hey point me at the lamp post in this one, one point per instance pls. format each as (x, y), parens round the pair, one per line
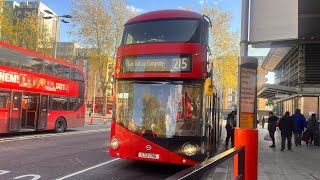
(57, 20)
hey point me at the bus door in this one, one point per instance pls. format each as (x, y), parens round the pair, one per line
(43, 112)
(15, 113)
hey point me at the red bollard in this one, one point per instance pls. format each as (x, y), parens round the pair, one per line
(105, 121)
(249, 139)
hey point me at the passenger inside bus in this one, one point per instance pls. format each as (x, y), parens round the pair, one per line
(185, 108)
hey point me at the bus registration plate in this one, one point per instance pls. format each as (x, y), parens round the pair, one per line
(148, 155)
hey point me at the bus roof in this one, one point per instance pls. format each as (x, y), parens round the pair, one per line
(165, 14)
(26, 51)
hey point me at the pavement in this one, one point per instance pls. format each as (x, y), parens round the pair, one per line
(301, 163)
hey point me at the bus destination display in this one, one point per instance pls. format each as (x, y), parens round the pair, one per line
(156, 63)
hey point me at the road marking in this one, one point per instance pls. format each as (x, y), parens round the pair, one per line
(35, 176)
(88, 169)
(51, 135)
(3, 172)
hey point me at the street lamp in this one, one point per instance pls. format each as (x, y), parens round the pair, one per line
(57, 20)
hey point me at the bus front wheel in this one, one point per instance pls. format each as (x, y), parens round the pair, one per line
(61, 125)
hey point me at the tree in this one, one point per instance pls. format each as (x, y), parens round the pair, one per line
(99, 29)
(6, 23)
(1, 10)
(224, 48)
(26, 31)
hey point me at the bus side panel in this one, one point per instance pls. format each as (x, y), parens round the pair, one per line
(4, 120)
(74, 119)
(131, 144)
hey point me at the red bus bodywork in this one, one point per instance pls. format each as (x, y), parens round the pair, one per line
(161, 149)
(40, 90)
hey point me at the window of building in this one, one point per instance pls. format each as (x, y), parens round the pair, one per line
(85, 62)
(231, 91)
(231, 98)
(76, 62)
(230, 105)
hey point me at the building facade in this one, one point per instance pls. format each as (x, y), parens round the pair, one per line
(40, 9)
(295, 61)
(73, 53)
(297, 78)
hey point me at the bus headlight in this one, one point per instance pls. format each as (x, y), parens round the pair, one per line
(189, 149)
(114, 143)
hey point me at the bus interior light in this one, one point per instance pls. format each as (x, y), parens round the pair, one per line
(189, 149)
(114, 143)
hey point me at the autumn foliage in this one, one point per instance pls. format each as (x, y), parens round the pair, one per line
(27, 31)
(98, 26)
(224, 46)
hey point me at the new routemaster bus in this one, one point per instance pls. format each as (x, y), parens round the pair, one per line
(98, 105)
(166, 109)
(39, 92)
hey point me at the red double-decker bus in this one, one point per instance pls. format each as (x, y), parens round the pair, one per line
(97, 105)
(166, 109)
(39, 92)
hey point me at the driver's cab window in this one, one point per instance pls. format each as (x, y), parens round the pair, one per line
(205, 33)
(129, 39)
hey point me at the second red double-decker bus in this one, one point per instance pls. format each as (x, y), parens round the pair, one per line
(97, 105)
(39, 92)
(166, 109)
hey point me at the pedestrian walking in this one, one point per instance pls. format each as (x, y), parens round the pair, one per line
(313, 128)
(299, 124)
(231, 124)
(286, 128)
(272, 125)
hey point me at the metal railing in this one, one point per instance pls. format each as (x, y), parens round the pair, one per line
(199, 171)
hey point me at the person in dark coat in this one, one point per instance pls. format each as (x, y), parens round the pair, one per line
(228, 129)
(312, 126)
(299, 124)
(272, 125)
(286, 127)
(231, 124)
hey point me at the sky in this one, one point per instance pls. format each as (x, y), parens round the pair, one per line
(63, 7)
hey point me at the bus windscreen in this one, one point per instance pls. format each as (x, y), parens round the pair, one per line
(180, 30)
(166, 108)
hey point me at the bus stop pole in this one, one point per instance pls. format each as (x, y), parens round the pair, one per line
(246, 133)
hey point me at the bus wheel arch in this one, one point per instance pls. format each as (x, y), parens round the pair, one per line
(60, 125)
